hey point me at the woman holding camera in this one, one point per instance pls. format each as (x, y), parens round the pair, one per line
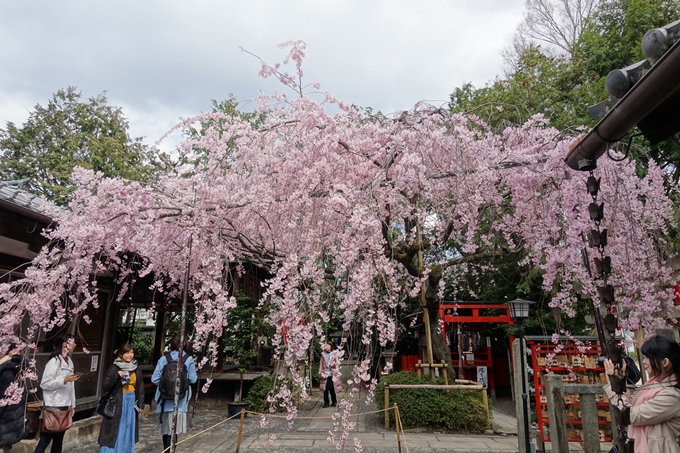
(655, 407)
(123, 382)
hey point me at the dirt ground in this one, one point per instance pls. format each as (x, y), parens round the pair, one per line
(505, 406)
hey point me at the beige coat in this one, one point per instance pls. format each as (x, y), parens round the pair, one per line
(661, 413)
(324, 373)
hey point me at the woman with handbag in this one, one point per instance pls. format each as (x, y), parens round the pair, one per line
(329, 374)
(59, 395)
(125, 387)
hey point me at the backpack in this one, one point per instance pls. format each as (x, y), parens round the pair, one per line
(166, 386)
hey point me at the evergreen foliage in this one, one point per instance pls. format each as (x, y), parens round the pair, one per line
(456, 410)
(71, 132)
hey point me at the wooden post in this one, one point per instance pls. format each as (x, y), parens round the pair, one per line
(588, 408)
(437, 387)
(387, 405)
(485, 400)
(640, 337)
(420, 370)
(397, 425)
(446, 377)
(240, 431)
(556, 413)
(423, 300)
(519, 407)
(591, 433)
(182, 343)
(428, 336)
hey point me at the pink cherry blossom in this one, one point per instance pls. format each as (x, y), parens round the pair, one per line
(327, 203)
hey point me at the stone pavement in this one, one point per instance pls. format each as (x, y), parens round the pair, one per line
(311, 432)
(503, 424)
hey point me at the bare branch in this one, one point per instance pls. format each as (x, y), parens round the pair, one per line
(558, 23)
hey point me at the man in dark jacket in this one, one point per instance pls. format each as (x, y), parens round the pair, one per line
(12, 391)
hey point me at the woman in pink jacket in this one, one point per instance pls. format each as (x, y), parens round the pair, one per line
(655, 406)
(330, 374)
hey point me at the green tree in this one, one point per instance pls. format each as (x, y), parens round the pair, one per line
(562, 87)
(555, 86)
(228, 107)
(71, 132)
(612, 39)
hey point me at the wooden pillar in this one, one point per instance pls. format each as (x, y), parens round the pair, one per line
(489, 368)
(423, 299)
(219, 367)
(640, 339)
(485, 400)
(556, 413)
(240, 431)
(387, 406)
(591, 429)
(446, 375)
(519, 408)
(159, 334)
(396, 426)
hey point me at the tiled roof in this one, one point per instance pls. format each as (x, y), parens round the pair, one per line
(12, 193)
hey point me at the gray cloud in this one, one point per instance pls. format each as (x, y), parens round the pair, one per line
(161, 59)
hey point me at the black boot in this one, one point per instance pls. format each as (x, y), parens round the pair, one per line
(166, 441)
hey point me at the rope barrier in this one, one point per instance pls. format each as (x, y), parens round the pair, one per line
(286, 417)
(201, 432)
(317, 418)
(403, 434)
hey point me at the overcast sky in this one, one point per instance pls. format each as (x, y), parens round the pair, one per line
(165, 59)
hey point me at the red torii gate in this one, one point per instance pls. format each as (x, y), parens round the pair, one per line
(470, 313)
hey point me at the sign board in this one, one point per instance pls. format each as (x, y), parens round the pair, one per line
(483, 376)
(94, 361)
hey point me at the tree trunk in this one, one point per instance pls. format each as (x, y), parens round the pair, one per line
(440, 350)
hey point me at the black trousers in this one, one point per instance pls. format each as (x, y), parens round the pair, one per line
(45, 438)
(330, 390)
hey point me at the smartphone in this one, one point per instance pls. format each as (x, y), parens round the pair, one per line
(78, 374)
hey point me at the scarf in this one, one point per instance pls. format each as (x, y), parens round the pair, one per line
(126, 366)
(641, 432)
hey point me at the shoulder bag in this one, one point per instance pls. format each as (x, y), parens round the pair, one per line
(57, 419)
(107, 405)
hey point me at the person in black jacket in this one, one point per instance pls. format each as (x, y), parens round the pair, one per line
(124, 380)
(12, 416)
